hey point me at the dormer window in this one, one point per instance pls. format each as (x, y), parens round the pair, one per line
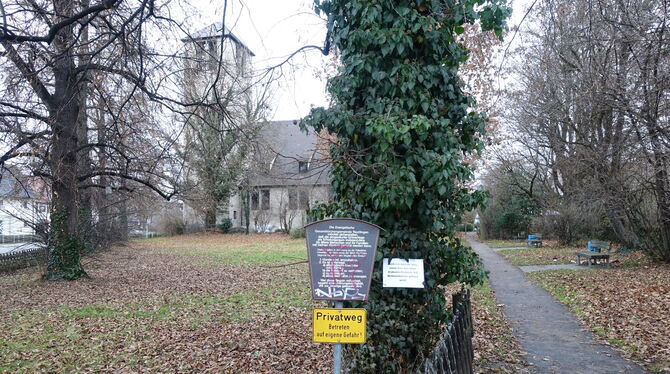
(302, 167)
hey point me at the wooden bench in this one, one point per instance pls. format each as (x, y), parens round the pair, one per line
(536, 242)
(593, 256)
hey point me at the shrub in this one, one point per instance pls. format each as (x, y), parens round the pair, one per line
(225, 225)
(510, 210)
(570, 223)
(237, 230)
(297, 233)
(173, 226)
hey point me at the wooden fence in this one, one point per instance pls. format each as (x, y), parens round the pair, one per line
(454, 354)
(21, 259)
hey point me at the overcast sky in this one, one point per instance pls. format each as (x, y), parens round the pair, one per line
(273, 30)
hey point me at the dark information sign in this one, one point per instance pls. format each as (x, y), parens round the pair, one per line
(341, 255)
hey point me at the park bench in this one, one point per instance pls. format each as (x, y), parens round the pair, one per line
(598, 250)
(535, 241)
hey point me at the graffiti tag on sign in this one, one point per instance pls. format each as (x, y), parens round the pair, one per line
(341, 255)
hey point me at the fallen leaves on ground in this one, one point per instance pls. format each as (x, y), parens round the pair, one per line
(556, 254)
(146, 309)
(514, 243)
(626, 307)
(505, 243)
(201, 303)
(539, 256)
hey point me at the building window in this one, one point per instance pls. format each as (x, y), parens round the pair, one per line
(234, 214)
(242, 62)
(304, 200)
(200, 48)
(292, 199)
(213, 57)
(302, 167)
(265, 199)
(254, 200)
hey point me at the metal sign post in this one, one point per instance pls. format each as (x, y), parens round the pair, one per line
(337, 350)
(341, 254)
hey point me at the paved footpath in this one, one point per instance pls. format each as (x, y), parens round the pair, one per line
(551, 336)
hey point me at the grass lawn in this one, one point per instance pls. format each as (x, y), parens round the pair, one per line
(539, 256)
(565, 255)
(505, 243)
(626, 307)
(194, 303)
(197, 303)
(233, 249)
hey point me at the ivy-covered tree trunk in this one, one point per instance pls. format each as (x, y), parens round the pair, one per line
(65, 106)
(65, 244)
(403, 127)
(245, 206)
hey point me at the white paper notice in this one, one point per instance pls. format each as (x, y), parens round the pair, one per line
(401, 273)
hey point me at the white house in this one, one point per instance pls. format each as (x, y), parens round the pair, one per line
(21, 207)
(289, 174)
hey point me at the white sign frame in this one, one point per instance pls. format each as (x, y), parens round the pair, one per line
(403, 273)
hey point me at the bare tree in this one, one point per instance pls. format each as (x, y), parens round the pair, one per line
(90, 90)
(219, 136)
(584, 112)
(288, 205)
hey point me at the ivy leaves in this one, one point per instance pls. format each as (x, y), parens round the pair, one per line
(403, 127)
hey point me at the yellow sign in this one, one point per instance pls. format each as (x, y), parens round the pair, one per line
(338, 326)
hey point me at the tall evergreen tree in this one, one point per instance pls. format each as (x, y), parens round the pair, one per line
(403, 126)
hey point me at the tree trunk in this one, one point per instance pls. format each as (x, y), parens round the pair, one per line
(660, 189)
(244, 194)
(123, 215)
(210, 217)
(105, 220)
(65, 244)
(626, 236)
(123, 219)
(87, 228)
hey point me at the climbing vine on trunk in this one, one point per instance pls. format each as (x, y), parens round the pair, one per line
(403, 126)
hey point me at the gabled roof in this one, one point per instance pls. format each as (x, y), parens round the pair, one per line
(10, 186)
(282, 146)
(213, 31)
